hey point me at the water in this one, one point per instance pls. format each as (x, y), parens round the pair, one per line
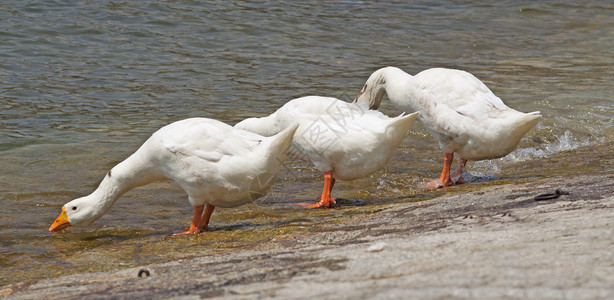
(84, 83)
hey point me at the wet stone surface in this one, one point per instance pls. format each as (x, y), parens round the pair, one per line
(482, 240)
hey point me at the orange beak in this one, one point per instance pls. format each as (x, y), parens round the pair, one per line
(61, 222)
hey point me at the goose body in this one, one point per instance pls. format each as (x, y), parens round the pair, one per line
(214, 163)
(458, 109)
(343, 140)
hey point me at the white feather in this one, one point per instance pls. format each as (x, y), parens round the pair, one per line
(212, 161)
(458, 109)
(346, 138)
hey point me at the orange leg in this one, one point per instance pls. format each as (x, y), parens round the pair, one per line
(195, 227)
(460, 171)
(325, 199)
(204, 220)
(444, 179)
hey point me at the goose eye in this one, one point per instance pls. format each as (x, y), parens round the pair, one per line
(74, 208)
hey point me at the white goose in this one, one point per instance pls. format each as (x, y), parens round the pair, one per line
(343, 140)
(215, 164)
(460, 111)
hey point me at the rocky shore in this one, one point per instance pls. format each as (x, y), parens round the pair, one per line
(474, 242)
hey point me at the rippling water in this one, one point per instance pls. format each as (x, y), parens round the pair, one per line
(84, 83)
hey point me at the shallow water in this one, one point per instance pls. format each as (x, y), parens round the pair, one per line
(83, 84)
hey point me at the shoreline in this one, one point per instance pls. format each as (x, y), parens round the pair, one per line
(472, 241)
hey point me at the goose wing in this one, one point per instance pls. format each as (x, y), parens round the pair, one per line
(207, 139)
(460, 91)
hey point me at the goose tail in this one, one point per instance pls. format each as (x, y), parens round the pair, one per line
(279, 144)
(524, 123)
(401, 124)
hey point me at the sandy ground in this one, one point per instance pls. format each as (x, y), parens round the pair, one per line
(495, 242)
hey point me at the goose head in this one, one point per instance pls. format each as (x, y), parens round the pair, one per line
(374, 90)
(81, 211)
